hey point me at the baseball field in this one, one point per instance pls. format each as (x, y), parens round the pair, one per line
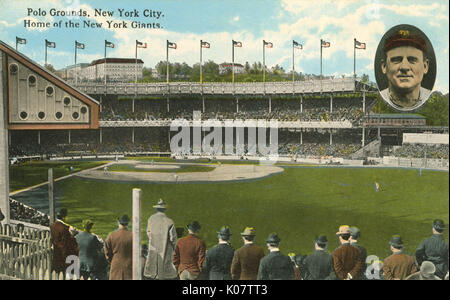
(298, 203)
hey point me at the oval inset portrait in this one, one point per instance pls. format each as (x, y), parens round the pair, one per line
(405, 68)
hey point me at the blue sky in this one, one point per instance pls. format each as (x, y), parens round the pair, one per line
(218, 22)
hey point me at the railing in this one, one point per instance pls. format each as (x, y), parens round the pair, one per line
(27, 254)
(224, 88)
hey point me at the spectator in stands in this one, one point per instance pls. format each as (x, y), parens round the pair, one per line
(218, 260)
(275, 266)
(435, 249)
(404, 64)
(354, 236)
(347, 260)
(246, 259)
(64, 243)
(162, 238)
(399, 265)
(119, 251)
(89, 245)
(427, 272)
(190, 253)
(319, 265)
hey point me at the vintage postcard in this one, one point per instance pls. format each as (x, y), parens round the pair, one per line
(224, 140)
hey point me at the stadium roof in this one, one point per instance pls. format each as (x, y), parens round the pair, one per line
(396, 116)
(116, 60)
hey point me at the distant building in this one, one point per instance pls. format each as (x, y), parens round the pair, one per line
(117, 69)
(225, 67)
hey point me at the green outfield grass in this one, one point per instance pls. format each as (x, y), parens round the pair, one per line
(182, 169)
(298, 204)
(36, 172)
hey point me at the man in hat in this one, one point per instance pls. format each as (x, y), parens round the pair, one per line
(347, 260)
(427, 270)
(119, 251)
(354, 236)
(190, 253)
(217, 265)
(275, 266)
(435, 249)
(405, 63)
(399, 265)
(246, 259)
(89, 245)
(64, 243)
(319, 264)
(162, 239)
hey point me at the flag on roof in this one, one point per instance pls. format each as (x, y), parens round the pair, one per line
(268, 44)
(50, 44)
(205, 45)
(140, 44)
(20, 40)
(109, 44)
(79, 45)
(359, 45)
(325, 44)
(237, 44)
(171, 45)
(297, 45)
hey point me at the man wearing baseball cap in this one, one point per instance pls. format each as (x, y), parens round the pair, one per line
(347, 260)
(246, 259)
(405, 63)
(399, 265)
(435, 249)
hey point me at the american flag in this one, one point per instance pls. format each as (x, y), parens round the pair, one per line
(140, 44)
(205, 45)
(359, 45)
(50, 44)
(325, 44)
(297, 45)
(268, 44)
(237, 44)
(20, 40)
(109, 44)
(171, 45)
(79, 45)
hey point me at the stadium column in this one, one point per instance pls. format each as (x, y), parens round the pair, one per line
(301, 104)
(4, 162)
(301, 136)
(39, 137)
(270, 104)
(132, 135)
(101, 136)
(331, 103)
(137, 206)
(237, 105)
(69, 136)
(331, 136)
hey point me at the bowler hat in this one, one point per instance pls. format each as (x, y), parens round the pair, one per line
(62, 213)
(160, 205)
(194, 226)
(404, 38)
(354, 232)
(124, 220)
(439, 225)
(321, 239)
(249, 231)
(396, 241)
(343, 229)
(224, 232)
(87, 224)
(273, 239)
(427, 269)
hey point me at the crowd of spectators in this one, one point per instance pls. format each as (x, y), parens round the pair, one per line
(23, 213)
(437, 151)
(318, 150)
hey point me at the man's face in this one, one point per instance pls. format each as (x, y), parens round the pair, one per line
(404, 68)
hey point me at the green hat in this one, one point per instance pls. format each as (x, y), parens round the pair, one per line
(194, 226)
(124, 220)
(396, 242)
(224, 233)
(249, 231)
(273, 239)
(354, 232)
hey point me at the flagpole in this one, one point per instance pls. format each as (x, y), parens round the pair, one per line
(354, 58)
(45, 53)
(135, 67)
(232, 62)
(105, 66)
(293, 67)
(167, 62)
(76, 73)
(321, 65)
(264, 65)
(17, 44)
(201, 80)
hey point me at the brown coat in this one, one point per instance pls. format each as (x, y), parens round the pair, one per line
(348, 259)
(119, 253)
(190, 254)
(246, 262)
(64, 244)
(398, 266)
